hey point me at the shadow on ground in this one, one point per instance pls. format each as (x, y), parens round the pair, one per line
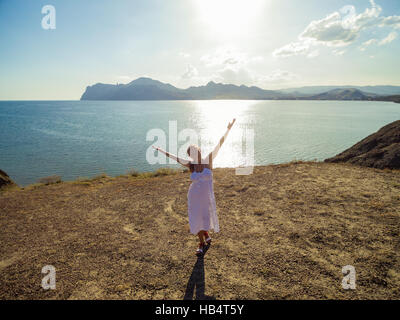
(197, 281)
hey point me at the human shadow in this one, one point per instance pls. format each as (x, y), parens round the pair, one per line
(197, 281)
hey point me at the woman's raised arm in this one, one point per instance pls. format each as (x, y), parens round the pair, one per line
(181, 161)
(214, 153)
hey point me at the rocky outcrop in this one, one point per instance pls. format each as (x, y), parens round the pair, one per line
(5, 180)
(379, 150)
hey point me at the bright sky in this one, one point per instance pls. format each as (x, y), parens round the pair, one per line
(268, 43)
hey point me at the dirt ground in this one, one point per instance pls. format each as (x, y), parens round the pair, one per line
(286, 232)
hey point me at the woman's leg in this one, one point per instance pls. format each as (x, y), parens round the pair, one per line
(199, 251)
(201, 236)
(207, 237)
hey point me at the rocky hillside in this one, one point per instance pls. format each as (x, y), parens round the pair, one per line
(342, 94)
(149, 89)
(5, 180)
(379, 150)
(376, 90)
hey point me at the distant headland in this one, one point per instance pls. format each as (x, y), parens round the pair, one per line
(149, 89)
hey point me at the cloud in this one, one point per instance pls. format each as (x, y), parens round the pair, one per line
(184, 54)
(278, 76)
(370, 42)
(190, 72)
(224, 56)
(338, 29)
(230, 65)
(329, 31)
(243, 75)
(369, 18)
(313, 54)
(391, 37)
(339, 52)
(233, 75)
(392, 21)
(293, 49)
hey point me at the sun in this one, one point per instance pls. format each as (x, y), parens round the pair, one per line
(228, 17)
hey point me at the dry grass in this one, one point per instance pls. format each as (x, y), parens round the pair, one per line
(151, 174)
(133, 173)
(50, 180)
(286, 232)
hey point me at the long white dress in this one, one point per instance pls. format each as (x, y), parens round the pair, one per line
(201, 202)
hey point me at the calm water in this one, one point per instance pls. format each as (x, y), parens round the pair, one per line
(84, 138)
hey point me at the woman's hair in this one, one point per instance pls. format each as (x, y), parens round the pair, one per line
(193, 152)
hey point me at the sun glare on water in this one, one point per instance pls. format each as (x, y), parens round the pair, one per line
(229, 16)
(212, 118)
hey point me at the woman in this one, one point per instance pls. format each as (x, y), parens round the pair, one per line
(201, 201)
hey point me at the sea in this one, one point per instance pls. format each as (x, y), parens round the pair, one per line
(75, 139)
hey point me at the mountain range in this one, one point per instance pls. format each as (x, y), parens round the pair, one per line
(149, 89)
(312, 90)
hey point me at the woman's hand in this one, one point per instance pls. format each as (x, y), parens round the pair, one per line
(157, 148)
(231, 124)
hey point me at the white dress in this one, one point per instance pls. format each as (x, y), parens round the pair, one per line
(201, 202)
